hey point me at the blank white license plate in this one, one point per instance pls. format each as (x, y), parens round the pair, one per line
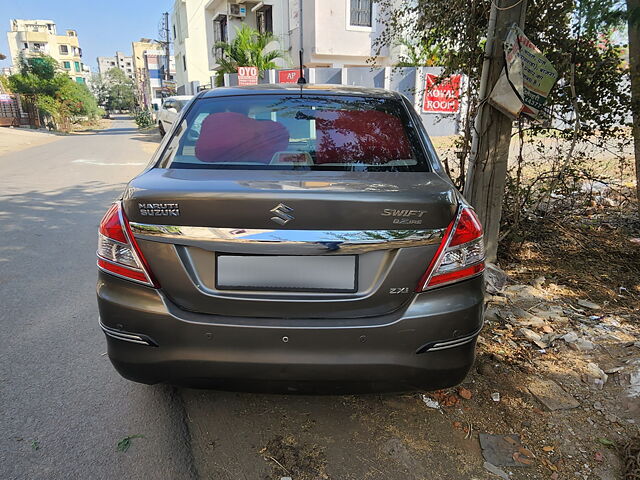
(287, 273)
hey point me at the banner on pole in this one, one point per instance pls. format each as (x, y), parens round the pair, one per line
(524, 85)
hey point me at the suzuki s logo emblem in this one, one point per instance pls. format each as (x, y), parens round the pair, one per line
(282, 214)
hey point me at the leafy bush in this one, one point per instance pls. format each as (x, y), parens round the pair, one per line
(144, 119)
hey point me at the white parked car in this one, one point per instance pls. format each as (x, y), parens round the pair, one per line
(170, 110)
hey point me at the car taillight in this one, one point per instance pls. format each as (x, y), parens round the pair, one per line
(118, 253)
(460, 255)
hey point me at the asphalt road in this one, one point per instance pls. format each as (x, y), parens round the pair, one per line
(63, 409)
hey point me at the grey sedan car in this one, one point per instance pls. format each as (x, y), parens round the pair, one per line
(293, 238)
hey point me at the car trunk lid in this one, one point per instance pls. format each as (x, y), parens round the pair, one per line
(195, 226)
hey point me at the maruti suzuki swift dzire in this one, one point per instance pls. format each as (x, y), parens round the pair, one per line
(293, 238)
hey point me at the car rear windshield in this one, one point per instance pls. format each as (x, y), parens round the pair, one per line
(301, 132)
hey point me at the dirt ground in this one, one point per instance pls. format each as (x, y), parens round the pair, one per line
(16, 139)
(585, 269)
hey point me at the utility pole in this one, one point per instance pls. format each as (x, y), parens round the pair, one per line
(167, 47)
(487, 171)
(633, 11)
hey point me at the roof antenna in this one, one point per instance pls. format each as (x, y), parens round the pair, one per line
(301, 79)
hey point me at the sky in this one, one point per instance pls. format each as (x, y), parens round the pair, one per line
(103, 26)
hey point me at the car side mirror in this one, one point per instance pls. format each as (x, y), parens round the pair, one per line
(172, 110)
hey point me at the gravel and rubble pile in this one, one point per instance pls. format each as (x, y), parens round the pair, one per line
(562, 372)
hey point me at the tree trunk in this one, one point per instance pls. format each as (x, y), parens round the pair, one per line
(633, 10)
(487, 173)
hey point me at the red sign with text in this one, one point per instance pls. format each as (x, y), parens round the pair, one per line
(247, 76)
(443, 96)
(288, 76)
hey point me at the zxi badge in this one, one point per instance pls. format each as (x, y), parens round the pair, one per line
(281, 214)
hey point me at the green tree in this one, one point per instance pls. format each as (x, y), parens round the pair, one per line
(590, 101)
(100, 89)
(53, 91)
(574, 34)
(36, 76)
(121, 91)
(247, 49)
(419, 54)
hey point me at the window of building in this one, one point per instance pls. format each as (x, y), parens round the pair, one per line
(113, 64)
(76, 65)
(26, 45)
(184, 63)
(361, 13)
(264, 19)
(220, 33)
(66, 65)
(174, 32)
(64, 50)
(80, 79)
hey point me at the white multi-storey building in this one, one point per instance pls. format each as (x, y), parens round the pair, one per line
(105, 64)
(332, 33)
(120, 60)
(37, 37)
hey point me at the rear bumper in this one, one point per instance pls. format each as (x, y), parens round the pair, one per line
(428, 344)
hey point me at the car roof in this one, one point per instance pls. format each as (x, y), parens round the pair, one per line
(284, 88)
(179, 97)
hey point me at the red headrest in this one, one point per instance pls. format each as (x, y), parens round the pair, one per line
(234, 137)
